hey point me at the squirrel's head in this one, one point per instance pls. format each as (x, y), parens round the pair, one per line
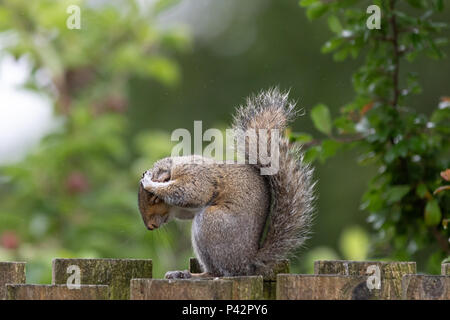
(153, 214)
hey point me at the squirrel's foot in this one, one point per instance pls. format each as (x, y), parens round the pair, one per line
(186, 275)
(178, 275)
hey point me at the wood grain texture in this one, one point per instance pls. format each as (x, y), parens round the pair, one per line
(425, 287)
(269, 281)
(56, 292)
(11, 272)
(161, 289)
(116, 273)
(391, 273)
(359, 268)
(323, 287)
(247, 288)
(282, 266)
(270, 290)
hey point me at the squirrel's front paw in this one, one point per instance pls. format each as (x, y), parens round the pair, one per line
(178, 275)
(146, 179)
(154, 200)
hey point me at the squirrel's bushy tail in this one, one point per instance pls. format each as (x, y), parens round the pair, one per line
(292, 186)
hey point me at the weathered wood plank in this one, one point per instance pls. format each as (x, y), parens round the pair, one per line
(11, 272)
(425, 287)
(391, 269)
(247, 288)
(323, 287)
(282, 266)
(181, 289)
(445, 269)
(270, 290)
(116, 273)
(269, 280)
(56, 292)
(390, 273)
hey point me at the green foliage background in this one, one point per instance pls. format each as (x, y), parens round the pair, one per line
(121, 84)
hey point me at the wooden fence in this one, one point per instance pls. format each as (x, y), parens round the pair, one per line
(132, 279)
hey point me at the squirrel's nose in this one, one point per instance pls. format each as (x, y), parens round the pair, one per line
(152, 226)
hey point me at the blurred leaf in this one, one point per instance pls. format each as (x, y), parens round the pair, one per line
(332, 45)
(311, 154)
(396, 193)
(329, 148)
(301, 137)
(321, 118)
(307, 3)
(433, 213)
(334, 24)
(345, 125)
(163, 69)
(416, 3)
(316, 10)
(421, 190)
(341, 55)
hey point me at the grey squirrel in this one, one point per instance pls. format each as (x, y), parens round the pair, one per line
(230, 204)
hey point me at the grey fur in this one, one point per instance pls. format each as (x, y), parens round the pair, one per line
(232, 203)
